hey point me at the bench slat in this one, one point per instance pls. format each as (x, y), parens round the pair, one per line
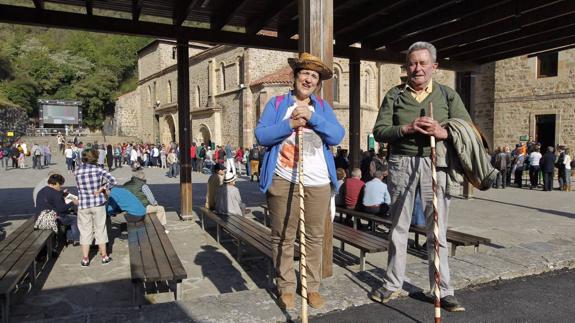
(179, 272)
(150, 269)
(37, 241)
(11, 259)
(18, 237)
(358, 239)
(159, 259)
(136, 263)
(25, 226)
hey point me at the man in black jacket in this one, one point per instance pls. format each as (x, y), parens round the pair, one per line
(547, 164)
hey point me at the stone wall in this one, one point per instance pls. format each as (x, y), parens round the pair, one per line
(127, 114)
(520, 97)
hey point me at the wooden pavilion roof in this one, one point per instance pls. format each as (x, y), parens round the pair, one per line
(465, 32)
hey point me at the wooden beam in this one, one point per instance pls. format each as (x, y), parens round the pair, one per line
(316, 37)
(182, 9)
(136, 9)
(404, 15)
(416, 31)
(290, 28)
(354, 112)
(69, 20)
(522, 34)
(184, 128)
(363, 15)
(39, 4)
(485, 14)
(89, 8)
(260, 20)
(230, 7)
(528, 49)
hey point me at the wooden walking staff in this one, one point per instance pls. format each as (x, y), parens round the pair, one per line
(302, 259)
(436, 290)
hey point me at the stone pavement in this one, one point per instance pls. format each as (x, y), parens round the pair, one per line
(531, 232)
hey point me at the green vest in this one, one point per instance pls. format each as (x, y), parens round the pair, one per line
(134, 185)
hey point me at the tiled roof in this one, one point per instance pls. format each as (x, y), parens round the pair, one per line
(281, 76)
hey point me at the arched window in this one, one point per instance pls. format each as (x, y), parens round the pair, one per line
(223, 76)
(197, 96)
(149, 95)
(336, 76)
(170, 97)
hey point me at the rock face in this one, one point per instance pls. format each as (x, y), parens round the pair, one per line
(230, 86)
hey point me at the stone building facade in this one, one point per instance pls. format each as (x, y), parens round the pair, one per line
(230, 86)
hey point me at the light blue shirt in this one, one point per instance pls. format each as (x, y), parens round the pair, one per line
(376, 193)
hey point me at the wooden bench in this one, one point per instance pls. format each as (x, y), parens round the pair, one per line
(365, 242)
(456, 238)
(243, 230)
(18, 254)
(153, 259)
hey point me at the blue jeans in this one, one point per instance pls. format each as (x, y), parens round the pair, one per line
(74, 233)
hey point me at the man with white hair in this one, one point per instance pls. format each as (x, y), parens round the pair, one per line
(137, 185)
(228, 198)
(404, 122)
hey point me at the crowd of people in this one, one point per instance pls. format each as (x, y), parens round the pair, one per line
(541, 165)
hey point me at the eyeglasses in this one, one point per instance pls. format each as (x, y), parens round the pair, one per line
(313, 75)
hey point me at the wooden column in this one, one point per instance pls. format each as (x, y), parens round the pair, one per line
(316, 38)
(354, 112)
(465, 86)
(184, 126)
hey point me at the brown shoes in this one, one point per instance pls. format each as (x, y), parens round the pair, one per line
(287, 301)
(315, 300)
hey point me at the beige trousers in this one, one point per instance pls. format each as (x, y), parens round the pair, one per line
(160, 212)
(283, 203)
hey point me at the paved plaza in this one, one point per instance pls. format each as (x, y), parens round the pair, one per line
(531, 232)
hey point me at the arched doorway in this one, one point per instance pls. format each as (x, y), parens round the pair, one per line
(204, 135)
(169, 131)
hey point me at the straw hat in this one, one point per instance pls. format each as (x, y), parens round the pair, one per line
(309, 62)
(229, 177)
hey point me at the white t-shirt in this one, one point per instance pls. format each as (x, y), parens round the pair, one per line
(68, 152)
(314, 166)
(567, 161)
(534, 158)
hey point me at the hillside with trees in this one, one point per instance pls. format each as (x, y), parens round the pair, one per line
(44, 63)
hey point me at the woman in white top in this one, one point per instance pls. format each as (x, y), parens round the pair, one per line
(69, 154)
(567, 175)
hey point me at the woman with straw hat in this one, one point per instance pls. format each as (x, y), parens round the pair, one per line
(276, 130)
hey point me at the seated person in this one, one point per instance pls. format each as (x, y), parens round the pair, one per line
(340, 173)
(137, 185)
(43, 183)
(376, 198)
(122, 200)
(51, 197)
(228, 199)
(352, 190)
(216, 180)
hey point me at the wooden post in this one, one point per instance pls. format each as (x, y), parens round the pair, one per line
(354, 112)
(316, 38)
(465, 86)
(184, 125)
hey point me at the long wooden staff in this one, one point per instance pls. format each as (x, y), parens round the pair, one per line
(302, 260)
(436, 290)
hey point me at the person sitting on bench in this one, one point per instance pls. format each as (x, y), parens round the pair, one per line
(228, 198)
(214, 182)
(122, 200)
(51, 197)
(376, 198)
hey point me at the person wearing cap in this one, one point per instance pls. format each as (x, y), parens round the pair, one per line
(277, 131)
(228, 198)
(138, 186)
(214, 182)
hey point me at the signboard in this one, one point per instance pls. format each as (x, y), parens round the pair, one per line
(524, 138)
(10, 134)
(59, 112)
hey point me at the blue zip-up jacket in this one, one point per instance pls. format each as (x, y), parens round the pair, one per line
(272, 130)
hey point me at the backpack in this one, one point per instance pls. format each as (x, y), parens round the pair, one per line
(37, 152)
(254, 154)
(202, 152)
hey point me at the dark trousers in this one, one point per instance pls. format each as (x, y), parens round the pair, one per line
(534, 175)
(501, 179)
(548, 181)
(519, 176)
(194, 164)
